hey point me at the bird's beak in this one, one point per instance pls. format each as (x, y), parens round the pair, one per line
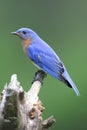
(15, 33)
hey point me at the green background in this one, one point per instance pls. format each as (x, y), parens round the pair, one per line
(63, 24)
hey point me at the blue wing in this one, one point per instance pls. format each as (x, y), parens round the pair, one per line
(46, 61)
(45, 57)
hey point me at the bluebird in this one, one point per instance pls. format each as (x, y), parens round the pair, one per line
(44, 57)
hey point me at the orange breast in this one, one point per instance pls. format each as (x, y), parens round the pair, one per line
(26, 43)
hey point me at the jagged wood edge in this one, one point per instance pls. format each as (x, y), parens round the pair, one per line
(20, 110)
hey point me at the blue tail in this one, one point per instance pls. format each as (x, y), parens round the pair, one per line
(68, 81)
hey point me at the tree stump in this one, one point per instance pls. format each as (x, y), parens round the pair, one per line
(20, 110)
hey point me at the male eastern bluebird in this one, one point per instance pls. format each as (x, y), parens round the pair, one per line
(44, 57)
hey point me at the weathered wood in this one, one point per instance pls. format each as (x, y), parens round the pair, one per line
(20, 110)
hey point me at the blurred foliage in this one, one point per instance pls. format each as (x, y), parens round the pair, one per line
(63, 24)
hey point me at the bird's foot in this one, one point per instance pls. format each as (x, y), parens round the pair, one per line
(39, 76)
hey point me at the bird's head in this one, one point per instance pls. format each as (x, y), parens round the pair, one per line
(27, 36)
(25, 33)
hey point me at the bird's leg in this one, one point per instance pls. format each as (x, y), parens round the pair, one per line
(39, 76)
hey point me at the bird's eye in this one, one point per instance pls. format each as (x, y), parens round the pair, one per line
(24, 32)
